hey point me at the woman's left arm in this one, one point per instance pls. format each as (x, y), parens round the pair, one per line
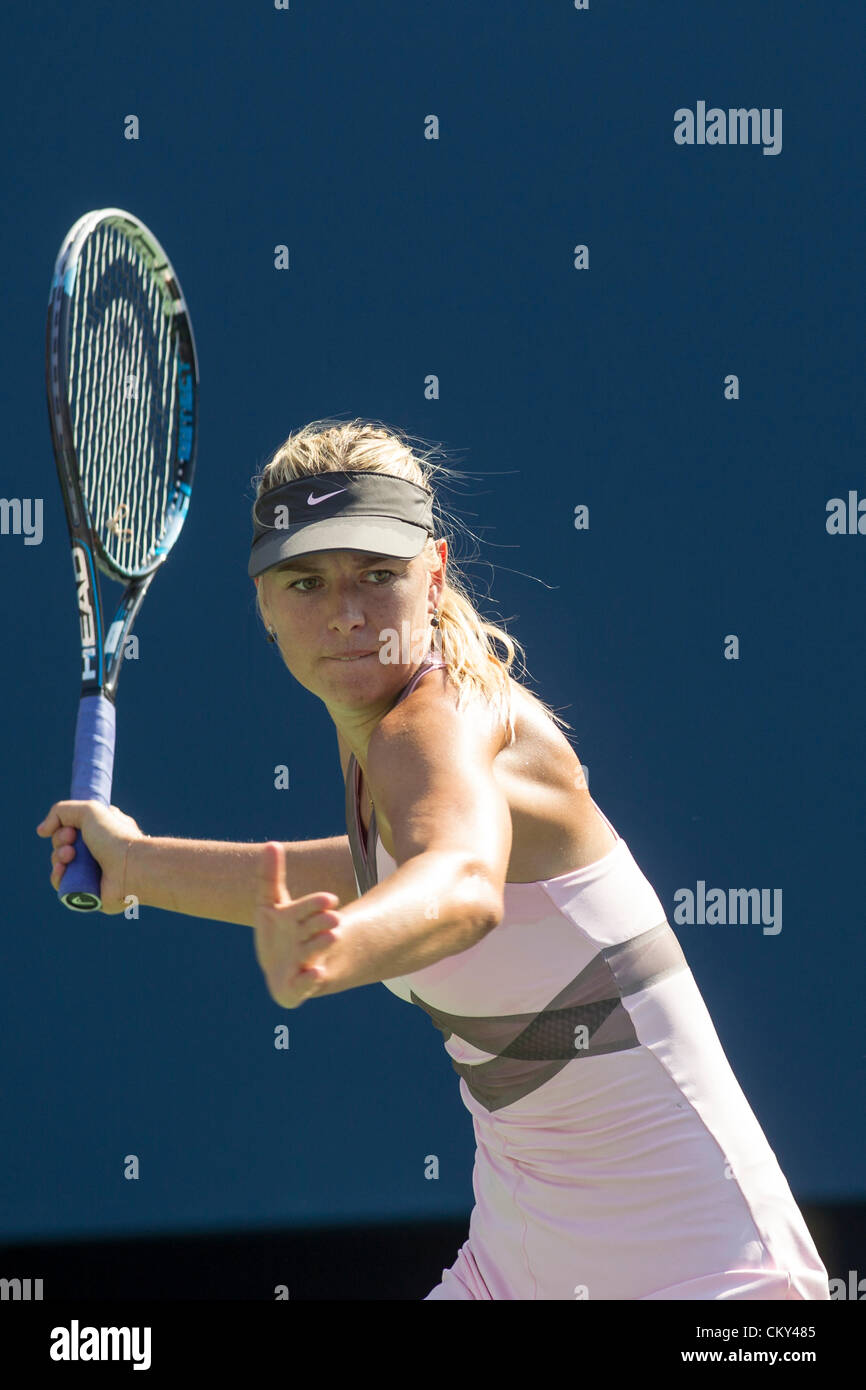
(430, 771)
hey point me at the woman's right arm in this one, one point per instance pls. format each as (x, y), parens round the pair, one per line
(217, 879)
(199, 878)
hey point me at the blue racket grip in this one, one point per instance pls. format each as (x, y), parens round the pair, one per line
(92, 769)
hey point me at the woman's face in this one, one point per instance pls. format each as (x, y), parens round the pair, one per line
(333, 604)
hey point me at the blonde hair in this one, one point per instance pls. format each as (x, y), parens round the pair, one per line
(464, 639)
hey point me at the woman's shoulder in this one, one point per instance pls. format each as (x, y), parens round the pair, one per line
(433, 701)
(517, 726)
(434, 693)
(555, 827)
(523, 741)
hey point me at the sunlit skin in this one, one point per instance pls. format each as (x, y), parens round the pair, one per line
(331, 602)
(342, 601)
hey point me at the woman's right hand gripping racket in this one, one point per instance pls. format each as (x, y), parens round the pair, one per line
(122, 380)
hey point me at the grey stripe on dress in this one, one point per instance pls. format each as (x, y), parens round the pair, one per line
(585, 1019)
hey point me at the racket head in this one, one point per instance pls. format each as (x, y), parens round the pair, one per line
(122, 386)
(122, 389)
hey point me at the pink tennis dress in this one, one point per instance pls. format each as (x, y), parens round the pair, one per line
(617, 1156)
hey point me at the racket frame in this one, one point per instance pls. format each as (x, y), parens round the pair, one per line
(101, 649)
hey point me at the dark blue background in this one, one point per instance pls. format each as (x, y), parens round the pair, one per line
(453, 257)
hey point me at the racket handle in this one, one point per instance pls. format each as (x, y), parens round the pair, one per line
(92, 769)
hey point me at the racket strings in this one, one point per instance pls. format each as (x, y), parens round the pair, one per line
(123, 363)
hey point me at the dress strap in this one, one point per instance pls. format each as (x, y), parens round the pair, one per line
(428, 664)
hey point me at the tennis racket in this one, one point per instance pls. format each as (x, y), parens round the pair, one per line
(122, 382)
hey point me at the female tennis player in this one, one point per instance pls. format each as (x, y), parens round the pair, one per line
(617, 1156)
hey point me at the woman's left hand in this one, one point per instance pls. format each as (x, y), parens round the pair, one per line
(292, 935)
